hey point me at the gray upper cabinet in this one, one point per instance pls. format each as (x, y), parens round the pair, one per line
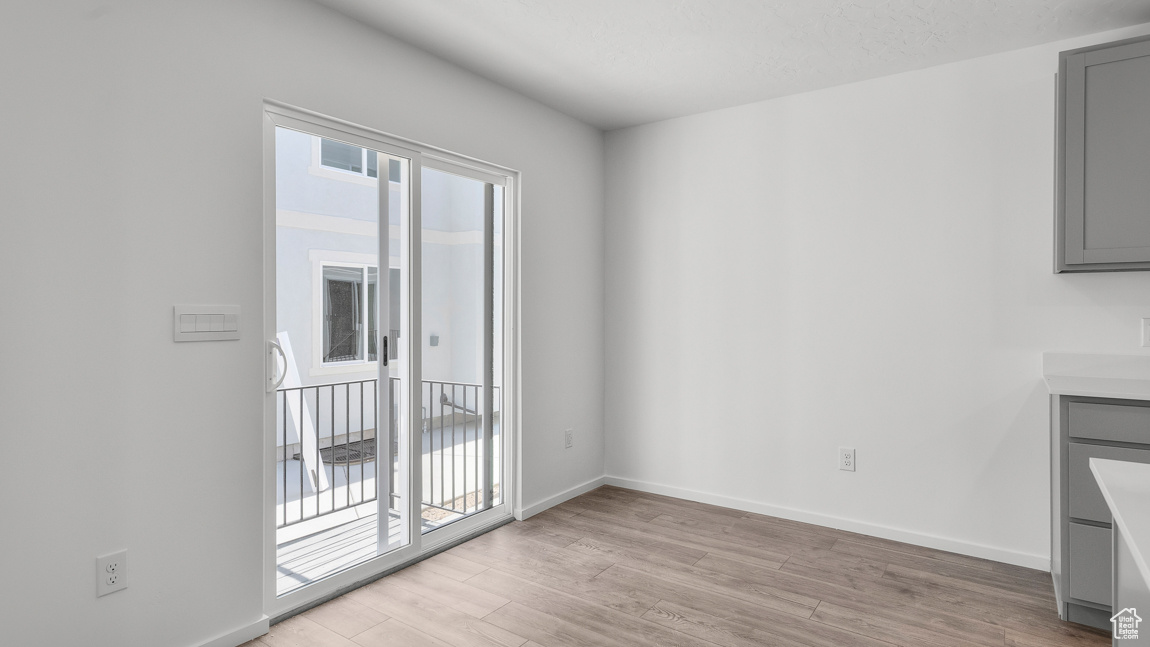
(1103, 188)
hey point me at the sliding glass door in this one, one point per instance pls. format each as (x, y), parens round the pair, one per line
(385, 313)
(462, 322)
(342, 463)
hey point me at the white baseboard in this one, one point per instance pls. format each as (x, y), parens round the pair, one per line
(239, 636)
(1040, 562)
(536, 508)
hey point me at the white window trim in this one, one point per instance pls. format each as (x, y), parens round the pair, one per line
(318, 169)
(319, 259)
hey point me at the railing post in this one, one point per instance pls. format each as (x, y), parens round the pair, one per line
(284, 459)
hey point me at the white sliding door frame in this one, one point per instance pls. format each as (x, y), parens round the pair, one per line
(419, 546)
(509, 505)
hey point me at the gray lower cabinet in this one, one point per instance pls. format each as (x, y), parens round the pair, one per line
(1085, 428)
(1090, 563)
(1086, 500)
(1103, 198)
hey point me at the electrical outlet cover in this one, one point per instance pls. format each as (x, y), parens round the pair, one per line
(847, 459)
(111, 573)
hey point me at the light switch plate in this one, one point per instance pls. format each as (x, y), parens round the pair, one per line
(205, 323)
(1146, 331)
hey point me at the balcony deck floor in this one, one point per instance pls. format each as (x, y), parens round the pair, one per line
(450, 463)
(302, 561)
(307, 559)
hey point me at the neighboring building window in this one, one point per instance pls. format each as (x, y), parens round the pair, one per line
(348, 158)
(349, 313)
(353, 159)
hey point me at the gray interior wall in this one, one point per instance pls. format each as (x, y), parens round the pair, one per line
(132, 182)
(867, 266)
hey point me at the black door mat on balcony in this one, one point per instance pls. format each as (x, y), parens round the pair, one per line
(353, 452)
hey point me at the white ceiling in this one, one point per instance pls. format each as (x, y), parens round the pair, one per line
(614, 63)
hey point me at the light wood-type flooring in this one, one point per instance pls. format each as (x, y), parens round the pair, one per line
(618, 567)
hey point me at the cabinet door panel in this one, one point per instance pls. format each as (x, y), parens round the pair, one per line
(1090, 550)
(1086, 501)
(1116, 198)
(1122, 423)
(1106, 148)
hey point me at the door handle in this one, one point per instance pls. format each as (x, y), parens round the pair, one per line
(273, 382)
(385, 350)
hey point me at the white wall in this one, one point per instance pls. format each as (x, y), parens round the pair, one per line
(132, 181)
(869, 266)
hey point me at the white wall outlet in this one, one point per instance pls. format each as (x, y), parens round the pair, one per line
(568, 439)
(111, 573)
(1146, 331)
(847, 459)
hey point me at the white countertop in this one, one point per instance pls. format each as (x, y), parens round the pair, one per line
(1126, 487)
(1097, 375)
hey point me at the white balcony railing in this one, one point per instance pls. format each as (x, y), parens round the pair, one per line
(328, 450)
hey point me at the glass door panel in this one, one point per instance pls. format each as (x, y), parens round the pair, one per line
(461, 453)
(341, 460)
